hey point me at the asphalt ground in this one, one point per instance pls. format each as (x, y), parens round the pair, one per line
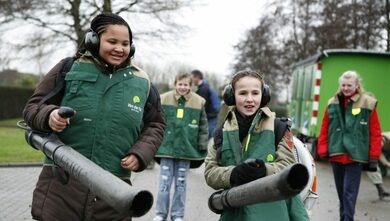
(18, 183)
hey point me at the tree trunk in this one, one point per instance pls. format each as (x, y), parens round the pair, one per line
(107, 6)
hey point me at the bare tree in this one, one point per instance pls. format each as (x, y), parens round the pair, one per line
(67, 21)
(303, 18)
(258, 53)
(4, 59)
(351, 24)
(297, 29)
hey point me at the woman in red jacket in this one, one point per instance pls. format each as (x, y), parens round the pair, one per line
(351, 137)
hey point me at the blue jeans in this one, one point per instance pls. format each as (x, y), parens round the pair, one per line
(170, 168)
(347, 179)
(212, 124)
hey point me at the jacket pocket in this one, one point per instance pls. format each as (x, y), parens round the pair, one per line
(80, 90)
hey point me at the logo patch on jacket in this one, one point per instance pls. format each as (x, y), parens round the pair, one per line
(193, 124)
(134, 107)
(136, 99)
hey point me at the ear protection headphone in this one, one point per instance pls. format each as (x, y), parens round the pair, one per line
(92, 42)
(230, 100)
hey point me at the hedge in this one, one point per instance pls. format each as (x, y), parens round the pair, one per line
(12, 101)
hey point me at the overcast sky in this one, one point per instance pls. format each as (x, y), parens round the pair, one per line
(215, 28)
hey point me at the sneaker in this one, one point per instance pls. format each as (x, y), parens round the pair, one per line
(158, 218)
(178, 219)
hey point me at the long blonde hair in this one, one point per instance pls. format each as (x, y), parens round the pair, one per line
(352, 75)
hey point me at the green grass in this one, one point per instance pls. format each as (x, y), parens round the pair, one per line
(13, 146)
(9, 122)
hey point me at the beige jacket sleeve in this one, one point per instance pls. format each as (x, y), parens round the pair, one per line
(217, 177)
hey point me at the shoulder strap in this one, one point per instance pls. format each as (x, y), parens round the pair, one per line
(60, 82)
(218, 141)
(281, 125)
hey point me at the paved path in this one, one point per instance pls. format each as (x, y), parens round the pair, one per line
(368, 207)
(17, 184)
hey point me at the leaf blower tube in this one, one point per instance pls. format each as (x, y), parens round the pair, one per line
(284, 185)
(124, 198)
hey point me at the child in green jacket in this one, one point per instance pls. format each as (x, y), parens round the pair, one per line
(184, 145)
(244, 150)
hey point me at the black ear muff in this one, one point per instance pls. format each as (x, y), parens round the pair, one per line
(132, 51)
(92, 41)
(228, 95)
(229, 99)
(266, 95)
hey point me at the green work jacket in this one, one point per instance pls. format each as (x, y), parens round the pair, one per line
(109, 112)
(259, 144)
(350, 136)
(186, 132)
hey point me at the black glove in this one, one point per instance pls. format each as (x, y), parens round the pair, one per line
(371, 166)
(251, 169)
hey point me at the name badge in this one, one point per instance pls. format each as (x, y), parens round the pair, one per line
(180, 113)
(355, 111)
